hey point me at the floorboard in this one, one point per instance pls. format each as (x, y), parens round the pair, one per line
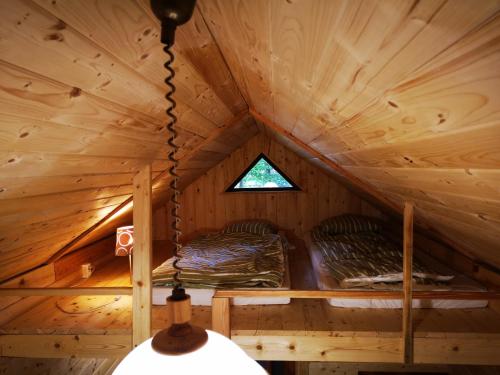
(112, 314)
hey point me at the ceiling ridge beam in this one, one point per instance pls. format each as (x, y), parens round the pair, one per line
(236, 83)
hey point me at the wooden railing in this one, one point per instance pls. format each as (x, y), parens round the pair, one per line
(76, 291)
(221, 308)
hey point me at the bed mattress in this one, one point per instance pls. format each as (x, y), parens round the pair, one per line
(228, 261)
(326, 281)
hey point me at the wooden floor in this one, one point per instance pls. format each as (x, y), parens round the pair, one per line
(112, 315)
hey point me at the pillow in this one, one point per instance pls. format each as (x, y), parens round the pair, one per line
(349, 223)
(251, 226)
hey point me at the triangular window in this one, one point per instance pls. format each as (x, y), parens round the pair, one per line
(262, 175)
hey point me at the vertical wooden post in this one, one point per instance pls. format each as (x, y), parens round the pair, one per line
(408, 283)
(142, 292)
(221, 316)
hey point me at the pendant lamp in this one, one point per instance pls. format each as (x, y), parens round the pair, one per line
(182, 347)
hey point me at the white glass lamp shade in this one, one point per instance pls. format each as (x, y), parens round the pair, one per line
(218, 356)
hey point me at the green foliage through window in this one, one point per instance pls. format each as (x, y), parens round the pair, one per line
(262, 175)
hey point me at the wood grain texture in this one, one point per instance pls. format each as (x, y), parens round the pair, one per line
(77, 366)
(76, 291)
(382, 86)
(221, 316)
(142, 257)
(82, 109)
(401, 94)
(303, 329)
(206, 206)
(64, 346)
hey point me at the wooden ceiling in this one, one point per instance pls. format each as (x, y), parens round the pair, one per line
(401, 94)
(82, 108)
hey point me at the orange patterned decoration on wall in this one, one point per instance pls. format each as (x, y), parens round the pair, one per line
(124, 241)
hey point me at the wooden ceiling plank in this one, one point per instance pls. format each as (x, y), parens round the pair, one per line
(29, 237)
(40, 98)
(469, 148)
(427, 31)
(76, 60)
(482, 246)
(44, 202)
(477, 206)
(129, 32)
(452, 93)
(22, 187)
(388, 205)
(476, 183)
(28, 135)
(23, 164)
(53, 213)
(246, 46)
(41, 229)
(197, 45)
(482, 222)
(43, 99)
(295, 35)
(49, 100)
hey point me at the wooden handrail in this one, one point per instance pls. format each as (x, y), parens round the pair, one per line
(95, 291)
(358, 294)
(303, 294)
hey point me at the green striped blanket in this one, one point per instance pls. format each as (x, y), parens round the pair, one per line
(227, 260)
(361, 259)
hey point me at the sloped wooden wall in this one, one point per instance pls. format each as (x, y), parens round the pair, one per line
(206, 205)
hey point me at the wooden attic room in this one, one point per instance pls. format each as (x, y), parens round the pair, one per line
(330, 201)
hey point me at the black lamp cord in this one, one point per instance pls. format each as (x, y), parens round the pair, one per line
(172, 157)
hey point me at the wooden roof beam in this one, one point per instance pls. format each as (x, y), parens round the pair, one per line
(390, 207)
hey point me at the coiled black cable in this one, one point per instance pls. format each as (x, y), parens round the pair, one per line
(174, 199)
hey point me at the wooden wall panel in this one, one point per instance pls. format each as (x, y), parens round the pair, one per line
(205, 205)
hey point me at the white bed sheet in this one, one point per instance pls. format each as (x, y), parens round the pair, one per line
(203, 297)
(325, 281)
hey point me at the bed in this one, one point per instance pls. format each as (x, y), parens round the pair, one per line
(350, 252)
(249, 255)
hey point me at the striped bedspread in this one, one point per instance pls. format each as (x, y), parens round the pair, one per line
(362, 259)
(228, 260)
